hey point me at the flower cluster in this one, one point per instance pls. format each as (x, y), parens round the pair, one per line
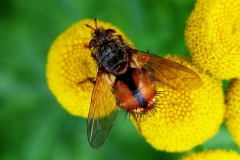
(183, 119)
(233, 110)
(70, 66)
(213, 37)
(213, 155)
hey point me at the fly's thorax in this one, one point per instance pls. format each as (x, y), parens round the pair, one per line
(111, 55)
(109, 50)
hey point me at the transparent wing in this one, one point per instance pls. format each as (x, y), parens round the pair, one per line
(167, 72)
(102, 112)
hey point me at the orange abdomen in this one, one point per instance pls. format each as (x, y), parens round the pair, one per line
(134, 91)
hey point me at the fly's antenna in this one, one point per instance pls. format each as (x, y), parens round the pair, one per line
(95, 23)
(90, 27)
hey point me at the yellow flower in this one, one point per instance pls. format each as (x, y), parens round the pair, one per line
(213, 155)
(213, 37)
(182, 120)
(70, 65)
(185, 119)
(233, 110)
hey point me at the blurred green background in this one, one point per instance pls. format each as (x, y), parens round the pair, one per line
(33, 126)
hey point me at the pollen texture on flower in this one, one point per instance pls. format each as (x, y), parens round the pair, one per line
(213, 37)
(213, 155)
(70, 67)
(233, 110)
(184, 119)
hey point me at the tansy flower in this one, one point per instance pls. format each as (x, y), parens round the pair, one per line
(183, 118)
(233, 110)
(70, 66)
(213, 37)
(213, 155)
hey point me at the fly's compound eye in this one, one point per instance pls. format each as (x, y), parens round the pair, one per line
(109, 32)
(92, 43)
